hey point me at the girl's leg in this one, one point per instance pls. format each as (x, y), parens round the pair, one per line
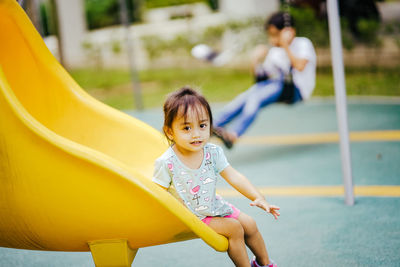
(233, 109)
(254, 239)
(233, 230)
(264, 94)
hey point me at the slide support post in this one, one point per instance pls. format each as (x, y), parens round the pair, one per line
(112, 253)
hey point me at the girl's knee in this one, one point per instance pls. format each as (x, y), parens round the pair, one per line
(228, 227)
(249, 225)
(236, 229)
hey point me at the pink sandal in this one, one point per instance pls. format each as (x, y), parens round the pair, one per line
(255, 264)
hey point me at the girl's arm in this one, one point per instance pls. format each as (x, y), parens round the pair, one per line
(286, 36)
(243, 185)
(258, 57)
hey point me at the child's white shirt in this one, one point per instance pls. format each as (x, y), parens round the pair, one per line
(277, 63)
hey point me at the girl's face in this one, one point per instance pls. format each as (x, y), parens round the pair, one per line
(279, 37)
(273, 35)
(190, 134)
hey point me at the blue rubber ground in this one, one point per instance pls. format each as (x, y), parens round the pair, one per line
(312, 231)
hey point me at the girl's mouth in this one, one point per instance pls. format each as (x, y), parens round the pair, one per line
(196, 143)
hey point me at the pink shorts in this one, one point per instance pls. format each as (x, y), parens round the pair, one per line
(235, 214)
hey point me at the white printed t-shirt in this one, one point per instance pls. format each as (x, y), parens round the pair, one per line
(277, 62)
(196, 187)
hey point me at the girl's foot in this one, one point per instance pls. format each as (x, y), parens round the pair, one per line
(255, 264)
(226, 137)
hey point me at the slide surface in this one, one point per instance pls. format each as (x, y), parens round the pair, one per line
(73, 170)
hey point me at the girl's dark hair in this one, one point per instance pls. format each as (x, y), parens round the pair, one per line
(280, 20)
(180, 101)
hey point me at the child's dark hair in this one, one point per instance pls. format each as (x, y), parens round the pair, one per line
(280, 20)
(179, 102)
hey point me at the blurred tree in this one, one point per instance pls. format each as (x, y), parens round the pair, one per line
(102, 13)
(309, 25)
(47, 17)
(353, 11)
(165, 3)
(214, 4)
(356, 11)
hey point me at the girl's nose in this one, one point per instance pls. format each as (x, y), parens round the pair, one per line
(196, 132)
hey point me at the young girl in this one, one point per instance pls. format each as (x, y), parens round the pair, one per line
(192, 166)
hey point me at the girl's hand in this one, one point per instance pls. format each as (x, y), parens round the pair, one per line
(263, 204)
(259, 54)
(286, 36)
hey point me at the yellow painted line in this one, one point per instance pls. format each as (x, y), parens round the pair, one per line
(321, 138)
(321, 191)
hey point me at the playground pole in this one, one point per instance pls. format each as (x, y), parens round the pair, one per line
(340, 95)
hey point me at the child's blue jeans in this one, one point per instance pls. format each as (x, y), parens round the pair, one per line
(246, 105)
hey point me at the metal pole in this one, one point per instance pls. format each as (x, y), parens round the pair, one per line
(137, 92)
(340, 95)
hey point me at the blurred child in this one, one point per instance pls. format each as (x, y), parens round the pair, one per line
(192, 166)
(284, 73)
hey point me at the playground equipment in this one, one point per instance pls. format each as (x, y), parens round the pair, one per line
(75, 173)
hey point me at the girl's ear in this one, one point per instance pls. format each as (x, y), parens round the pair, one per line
(168, 133)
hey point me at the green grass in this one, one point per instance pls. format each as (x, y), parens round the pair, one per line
(113, 87)
(361, 81)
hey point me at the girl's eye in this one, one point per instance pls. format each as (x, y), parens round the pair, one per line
(203, 125)
(186, 128)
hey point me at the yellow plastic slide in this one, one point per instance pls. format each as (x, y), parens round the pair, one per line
(75, 174)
